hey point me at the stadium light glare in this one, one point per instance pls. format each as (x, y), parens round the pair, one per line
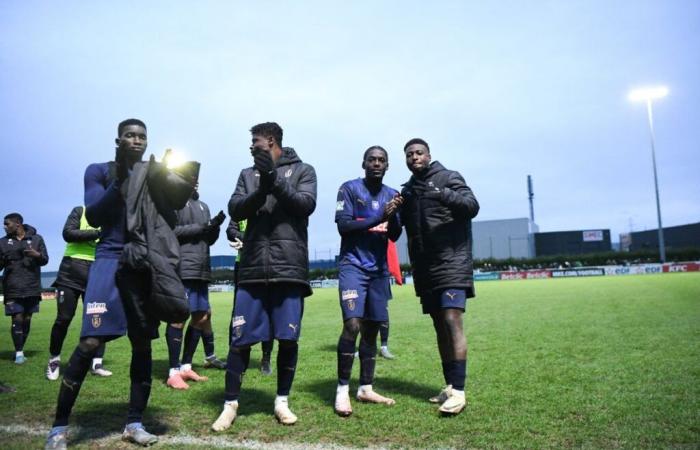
(647, 93)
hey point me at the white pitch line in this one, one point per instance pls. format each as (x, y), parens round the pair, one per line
(185, 439)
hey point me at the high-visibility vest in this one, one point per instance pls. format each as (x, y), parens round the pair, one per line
(82, 250)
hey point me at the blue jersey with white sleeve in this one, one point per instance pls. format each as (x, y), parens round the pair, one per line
(364, 235)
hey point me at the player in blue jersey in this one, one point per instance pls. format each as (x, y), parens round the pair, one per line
(106, 315)
(366, 218)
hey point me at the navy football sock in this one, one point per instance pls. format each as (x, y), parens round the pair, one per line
(100, 353)
(26, 326)
(17, 330)
(286, 366)
(368, 359)
(267, 346)
(77, 368)
(173, 337)
(140, 374)
(446, 372)
(236, 365)
(191, 340)
(384, 333)
(208, 340)
(458, 374)
(346, 356)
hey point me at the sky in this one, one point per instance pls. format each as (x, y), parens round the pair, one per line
(499, 90)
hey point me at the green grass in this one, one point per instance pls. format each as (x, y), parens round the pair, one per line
(609, 362)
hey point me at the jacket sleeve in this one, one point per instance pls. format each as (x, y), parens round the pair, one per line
(244, 204)
(233, 231)
(72, 231)
(41, 248)
(299, 200)
(100, 201)
(459, 197)
(394, 227)
(186, 231)
(212, 232)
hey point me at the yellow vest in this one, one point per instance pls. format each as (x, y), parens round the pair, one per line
(82, 250)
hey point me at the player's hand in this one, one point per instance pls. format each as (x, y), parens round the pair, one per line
(236, 244)
(31, 253)
(263, 161)
(122, 165)
(218, 219)
(392, 207)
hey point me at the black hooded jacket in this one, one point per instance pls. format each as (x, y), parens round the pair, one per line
(276, 237)
(195, 237)
(22, 274)
(437, 212)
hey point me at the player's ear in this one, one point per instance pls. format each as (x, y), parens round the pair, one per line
(363, 164)
(116, 141)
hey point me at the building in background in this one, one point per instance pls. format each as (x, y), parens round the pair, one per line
(682, 236)
(503, 239)
(572, 242)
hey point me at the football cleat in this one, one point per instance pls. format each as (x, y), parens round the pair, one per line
(369, 396)
(284, 415)
(100, 371)
(227, 416)
(442, 396)
(139, 435)
(191, 375)
(454, 404)
(385, 353)
(175, 381)
(20, 359)
(214, 363)
(57, 440)
(52, 370)
(342, 404)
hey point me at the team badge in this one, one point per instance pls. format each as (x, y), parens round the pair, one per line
(288, 173)
(375, 204)
(351, 304)
(339, 205)
(96, 321)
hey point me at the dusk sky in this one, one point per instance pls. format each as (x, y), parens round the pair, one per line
(499, 89)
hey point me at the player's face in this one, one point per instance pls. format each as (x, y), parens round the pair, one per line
(11, 227)
(375, 165)
(133, 141)
(417, 158)
(260, 143)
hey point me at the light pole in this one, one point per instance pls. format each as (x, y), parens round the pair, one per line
(647, 95)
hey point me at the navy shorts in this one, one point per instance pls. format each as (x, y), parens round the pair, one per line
(197, 292)
(447, 298)
(103, 312)
(265, 311)
(24, 305)
(363, 295)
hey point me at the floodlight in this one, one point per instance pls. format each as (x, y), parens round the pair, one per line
(646, 94)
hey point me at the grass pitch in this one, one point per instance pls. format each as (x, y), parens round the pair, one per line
(609, 362)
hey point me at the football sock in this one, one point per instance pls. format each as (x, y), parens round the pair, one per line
(58, 335)
(458, 374)
(267, 346)
(76, 369)
(173, 337)
(384, 333)
(100, 353)
(26, 326)
(192, 336)
(140, 374)
(368, 359)
(346, 356)
(17, 331)
(286, 366)
(236, 365)
(446, 372)
(208, 341)
(96, 361)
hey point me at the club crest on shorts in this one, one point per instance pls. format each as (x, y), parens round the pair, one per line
(350, 304)
(96, 321)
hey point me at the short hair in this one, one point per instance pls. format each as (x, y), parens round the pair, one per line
(416, 141)
(375, 147)
(125, 123)
(268, 129)
(15, 217)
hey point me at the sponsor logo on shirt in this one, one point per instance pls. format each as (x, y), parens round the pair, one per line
(96, 308)
(349, 294)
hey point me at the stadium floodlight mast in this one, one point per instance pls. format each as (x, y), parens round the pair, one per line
(648, 95)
